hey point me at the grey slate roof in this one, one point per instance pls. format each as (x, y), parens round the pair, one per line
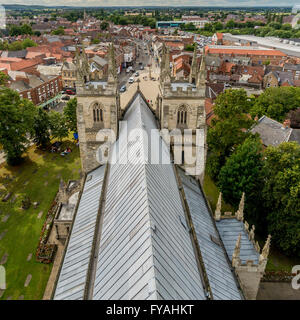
(271, 132)
(229, 230)
(145, 249)
(73, 274)
(220, 276)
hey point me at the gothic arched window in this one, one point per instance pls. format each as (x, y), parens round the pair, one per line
(97, 113)
(182, 115)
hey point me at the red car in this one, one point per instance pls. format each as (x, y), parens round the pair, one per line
(70, 92)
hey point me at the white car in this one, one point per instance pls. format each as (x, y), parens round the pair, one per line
(131, 80)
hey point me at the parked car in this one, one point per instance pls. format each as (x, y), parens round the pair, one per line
(123, 89)
(71, 92)
(136, 74)
(141, 67)
(131, 80)
(65, 97)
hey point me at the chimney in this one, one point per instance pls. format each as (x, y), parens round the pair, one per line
(287, 123)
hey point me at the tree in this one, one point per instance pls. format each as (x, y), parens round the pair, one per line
(230, 24)
(104, 25)
(70, 114)
(58, 125)
(28, 43)
(41, 128)
(228, 128)
(276, 102)
(3, 78)
(281, 195)
(242, 173)
(59, 31)
(16, 123)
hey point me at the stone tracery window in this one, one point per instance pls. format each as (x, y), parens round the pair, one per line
(97, 113)
(182, 115)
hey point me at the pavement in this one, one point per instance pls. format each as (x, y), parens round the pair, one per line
(277, 291)
(148, 87)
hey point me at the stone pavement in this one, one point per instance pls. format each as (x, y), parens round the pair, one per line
(54, 272)
(148, 87)
(277, 291)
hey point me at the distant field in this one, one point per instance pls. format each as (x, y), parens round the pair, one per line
(38, 177)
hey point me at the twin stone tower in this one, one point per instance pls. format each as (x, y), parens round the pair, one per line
(179, 110)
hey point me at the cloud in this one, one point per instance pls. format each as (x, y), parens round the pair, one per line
(209, 3)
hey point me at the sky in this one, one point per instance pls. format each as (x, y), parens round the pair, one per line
(87, 3)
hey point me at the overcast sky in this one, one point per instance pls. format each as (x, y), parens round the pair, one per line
(87, 3)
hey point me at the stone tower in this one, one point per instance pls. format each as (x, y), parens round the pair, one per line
(180, 110)
(98, 110)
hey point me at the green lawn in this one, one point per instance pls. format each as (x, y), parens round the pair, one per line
(277, 261)
(212, 194)
(38, 177)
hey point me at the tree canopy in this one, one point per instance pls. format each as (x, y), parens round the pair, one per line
(281, 193)
(16, 124)
(276, 102)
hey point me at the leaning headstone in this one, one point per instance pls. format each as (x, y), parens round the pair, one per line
(27, 281)
(40, 215)
(29, 257)
(6, 198)
(4, 258)
(5, 218)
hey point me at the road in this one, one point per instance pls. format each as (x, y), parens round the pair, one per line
(143, 56)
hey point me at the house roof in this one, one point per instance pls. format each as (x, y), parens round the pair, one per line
(242, 51)
(273, 132)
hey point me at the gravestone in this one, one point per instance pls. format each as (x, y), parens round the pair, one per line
(5, 218)
(40, 215)
(46, 183)
(6, 198)
(4, 258)
(29, 257)
(21, 297)
(2, 234)
(27, 281)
